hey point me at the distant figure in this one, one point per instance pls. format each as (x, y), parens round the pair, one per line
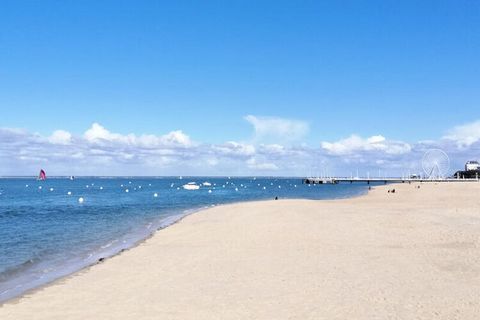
(276, 198)
(393, 191)
(369, 188)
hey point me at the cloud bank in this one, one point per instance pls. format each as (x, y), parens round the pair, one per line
(465, 135)
(355, 144)
(98, 151)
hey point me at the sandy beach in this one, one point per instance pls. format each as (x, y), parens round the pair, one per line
(414, 254)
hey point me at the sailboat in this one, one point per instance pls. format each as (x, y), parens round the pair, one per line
(42, 175)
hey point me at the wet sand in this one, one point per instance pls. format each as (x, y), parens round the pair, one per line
(414, 254)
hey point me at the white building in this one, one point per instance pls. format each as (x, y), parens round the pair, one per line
(472, 166)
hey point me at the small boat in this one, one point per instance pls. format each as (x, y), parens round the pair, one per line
(207, 184)
(191, 186)
(42, 175)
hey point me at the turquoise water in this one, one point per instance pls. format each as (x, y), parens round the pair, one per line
(46, 233)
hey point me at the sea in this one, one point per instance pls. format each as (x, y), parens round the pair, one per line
(50, 229)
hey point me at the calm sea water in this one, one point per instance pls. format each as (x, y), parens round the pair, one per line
(46, 233)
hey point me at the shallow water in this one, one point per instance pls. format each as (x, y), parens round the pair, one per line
(45, 233)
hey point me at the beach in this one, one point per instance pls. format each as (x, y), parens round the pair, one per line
(412, 254)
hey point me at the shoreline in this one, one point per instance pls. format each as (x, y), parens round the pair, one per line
(178, 218)
(221, 213)
(101, 260)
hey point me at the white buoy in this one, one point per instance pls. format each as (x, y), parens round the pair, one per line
(279, 187)
(295, 186)
(69, 193)
(51, 189)
(40, 187)
(149, 184)
(178, 188)
(126, 190)
(139, 187)
(101, 188)
(80, 200)
(236, 189)
(209, 191)
(264, 188)
(155, 194)
(121, 185)
(87, 186)
(26, 186)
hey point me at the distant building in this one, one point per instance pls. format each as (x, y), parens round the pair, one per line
(472, 171)
(472, 166)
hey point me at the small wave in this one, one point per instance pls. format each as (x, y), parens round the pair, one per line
(17, 269)
(108, 245)
(4, 292)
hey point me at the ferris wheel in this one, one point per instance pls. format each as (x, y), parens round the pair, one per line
(435, 164)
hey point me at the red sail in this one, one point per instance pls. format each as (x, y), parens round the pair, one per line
(42, 175)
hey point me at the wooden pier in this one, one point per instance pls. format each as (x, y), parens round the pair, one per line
(336, 180)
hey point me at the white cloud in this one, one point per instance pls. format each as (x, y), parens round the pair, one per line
(355, 144)
(263, 166)
(465, 135)
(232, 148)
(97, 134)
(273, 128)
(60, 137)
(273, 149)
(102, 152)
(175, 138)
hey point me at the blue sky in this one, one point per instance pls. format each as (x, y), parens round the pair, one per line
(405, 70)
